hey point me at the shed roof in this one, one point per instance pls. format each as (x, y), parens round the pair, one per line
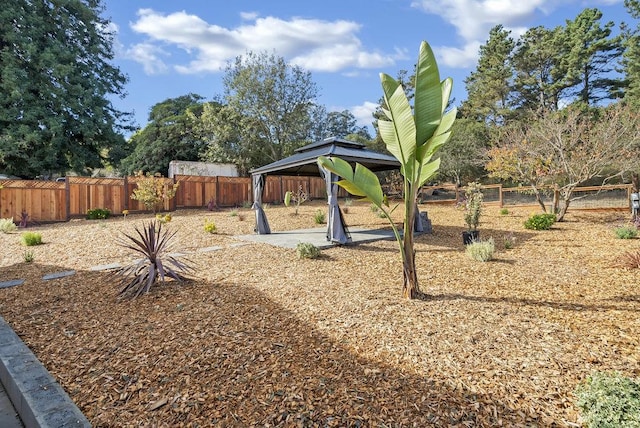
(304, 160)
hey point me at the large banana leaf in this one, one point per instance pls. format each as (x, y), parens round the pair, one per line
(359, 182)
(428, 95)
(398, 133)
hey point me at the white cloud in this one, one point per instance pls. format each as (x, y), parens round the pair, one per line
(363, 113)
(316, 45)
(248, 16)
(458, 57)
(149, 56)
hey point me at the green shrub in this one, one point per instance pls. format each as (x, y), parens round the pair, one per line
(7, 225)
(153, 190)
(626, 232)
(504, 211)
(164, 218)
(509, 241)
(306, 250)
(210, 226)
(481, 251)
(373, 208)
(608, 400)
(98, 214)
(319, 217)
(540, 221)
(31, 238)
(233, 213)
(28, 256)
(247, 204)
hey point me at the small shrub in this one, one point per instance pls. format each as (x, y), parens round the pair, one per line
(540, 221)
(481, 251)
(630, 260)
(153, 244)
(373, 208)
(509, 241)
(210, 226)
(28, 256)
(306, 250)
(504, 211)
(609, 400)
(98, 214)
(212, 205)
(125, 213)
(247, 204)
(7, 225)
(24, 219)
(242, 216)
(319, 217)
(626, 232)
(297, 198)
(163, 218)
(152, 190)
(233, 213)
(31, 238)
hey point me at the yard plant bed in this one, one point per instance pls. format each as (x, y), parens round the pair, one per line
(262, 338)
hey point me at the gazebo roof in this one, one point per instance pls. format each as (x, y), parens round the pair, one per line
(304, 160)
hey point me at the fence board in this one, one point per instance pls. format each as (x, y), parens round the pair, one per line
(195, 191)
(43, 201)
(86, 193)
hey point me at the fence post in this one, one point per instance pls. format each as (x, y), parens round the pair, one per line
(500, 194)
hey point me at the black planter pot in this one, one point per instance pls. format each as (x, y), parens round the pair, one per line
(468, 236)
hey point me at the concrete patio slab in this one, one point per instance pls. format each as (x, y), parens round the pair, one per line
(106, 267)
(316, 236)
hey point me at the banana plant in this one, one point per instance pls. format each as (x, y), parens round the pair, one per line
(412, 134)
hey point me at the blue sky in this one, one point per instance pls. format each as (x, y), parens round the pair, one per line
(170, 48)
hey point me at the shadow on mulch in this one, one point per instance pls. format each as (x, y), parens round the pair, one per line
(206, 354)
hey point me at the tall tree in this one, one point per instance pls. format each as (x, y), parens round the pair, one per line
(631, 55)
(274, 99)
(463, 158)
(168, 136)
(55, 82)
(343, 123)
(590, 57)
(538, 77)
(489, 87)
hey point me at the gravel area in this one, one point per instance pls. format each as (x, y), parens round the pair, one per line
(261, 338)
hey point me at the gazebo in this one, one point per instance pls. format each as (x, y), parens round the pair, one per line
(304, 162)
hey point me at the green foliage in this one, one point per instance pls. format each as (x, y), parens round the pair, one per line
(28, 256)
(609, 400)
(482, 250)
(56, 88)
(152, 190)
(233, 213)
(509, 241)
(413, 135)
(267, 112)
(153, 244)
(626, 232)
(210, 226)
(319, 217)
(7, 225)
(306, 250)
(297, 198)
(163, 218)
(247, 204)
(473, 199)
(540, 221)
(169, 135)
(98, 214)
(504, 211)
(462, 158)
(31, 238)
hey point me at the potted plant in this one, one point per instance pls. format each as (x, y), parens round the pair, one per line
(472, 205)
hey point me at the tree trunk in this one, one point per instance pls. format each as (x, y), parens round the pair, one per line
(410, 287)
(564, 207)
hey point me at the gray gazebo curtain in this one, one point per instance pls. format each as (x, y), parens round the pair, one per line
(262, 225)
(336, 229)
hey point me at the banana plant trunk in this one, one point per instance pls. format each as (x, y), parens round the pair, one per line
(410, 287)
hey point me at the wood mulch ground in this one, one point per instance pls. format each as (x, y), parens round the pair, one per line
(261, 338)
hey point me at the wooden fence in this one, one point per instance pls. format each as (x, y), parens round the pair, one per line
(46, 201)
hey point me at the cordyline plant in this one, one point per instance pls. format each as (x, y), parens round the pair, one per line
(153, 244)
(412, 135)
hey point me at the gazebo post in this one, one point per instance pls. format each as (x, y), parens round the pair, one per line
(336, 229)
(262, 225)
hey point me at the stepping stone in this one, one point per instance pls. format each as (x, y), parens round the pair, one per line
(12, 283)
(177, 254)
(239, 244)
(106, 267)
(57, 275)
(209, 249)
